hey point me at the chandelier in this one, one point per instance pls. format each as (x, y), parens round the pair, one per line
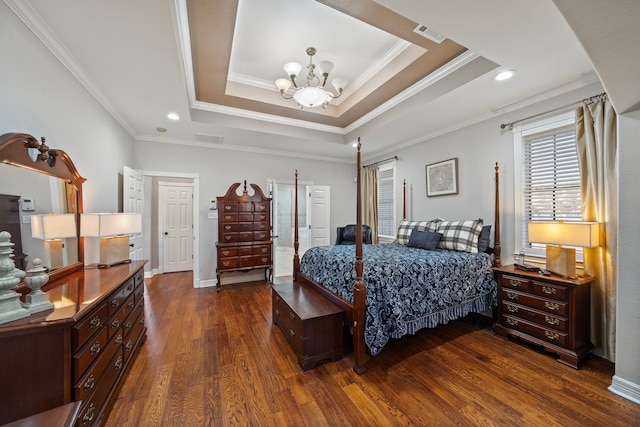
(312, 94)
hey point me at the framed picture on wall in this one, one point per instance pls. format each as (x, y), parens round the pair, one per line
(442, 178)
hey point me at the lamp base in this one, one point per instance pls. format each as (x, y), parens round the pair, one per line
(53, 258)
(561, 261)
(113, 251)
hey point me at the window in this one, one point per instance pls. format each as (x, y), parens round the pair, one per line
(386, 200)
(549, 185)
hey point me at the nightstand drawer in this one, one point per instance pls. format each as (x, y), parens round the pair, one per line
(518, 283)
(550, 290)
(556, 307)
(545, 319)
(546, 334)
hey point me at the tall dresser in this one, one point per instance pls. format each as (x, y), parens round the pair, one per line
(79, 351)
(244, 231)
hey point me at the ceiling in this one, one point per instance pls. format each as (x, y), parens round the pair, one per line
(214, 63)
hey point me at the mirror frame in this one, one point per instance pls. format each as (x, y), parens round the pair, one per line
(15, 149)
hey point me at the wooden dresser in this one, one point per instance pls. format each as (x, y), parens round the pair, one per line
(548, 311)
(80, 350)
(244, 231)
(312, 325)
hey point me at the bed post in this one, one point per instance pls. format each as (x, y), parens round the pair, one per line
(359, 293)
(296, 244)
(404, 199)
(497, 249)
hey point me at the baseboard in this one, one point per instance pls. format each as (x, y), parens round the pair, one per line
(625, 388)
(207, 283)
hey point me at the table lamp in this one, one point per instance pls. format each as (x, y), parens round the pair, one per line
(113, 229)
(561, 260)
(52, 228)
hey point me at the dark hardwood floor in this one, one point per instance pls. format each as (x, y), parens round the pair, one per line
(215, 359)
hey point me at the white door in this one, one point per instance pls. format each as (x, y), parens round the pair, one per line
(176, 226)
(319, 215)
(133, 202)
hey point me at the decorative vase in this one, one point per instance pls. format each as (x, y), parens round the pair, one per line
(10, 307)
(36, 278)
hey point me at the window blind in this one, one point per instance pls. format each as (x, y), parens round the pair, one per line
(551, 180)
(386, 223)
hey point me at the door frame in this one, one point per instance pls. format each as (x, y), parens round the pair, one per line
(196, 219)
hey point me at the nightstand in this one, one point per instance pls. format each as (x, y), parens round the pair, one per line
(549, 311)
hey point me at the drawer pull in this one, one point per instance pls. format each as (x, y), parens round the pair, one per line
(226, 263)
(88, 416)
(130, 305)
(115, 323)
(264, 259)
(551, 335)
(119, 340)
(293, 334)
(512, 308)
(95, 348)
(227, 227)
(130, 287)
(129, 345)
(264, 250)
(227, 237)
(512, 322)
(512, 295)
(292, 316)
(227, 207)
(128, 325)
(262, 235)
(115, 302)
(552, 305)
(225, 253)
(118, 364)
(277, 298)
(277, 313)
(552, 320)
(91, 382)
(227, 217)
(514, 283)
(95, 322)
(142, 321)
(549, 290)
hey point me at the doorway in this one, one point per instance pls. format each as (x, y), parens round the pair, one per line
(176, 226)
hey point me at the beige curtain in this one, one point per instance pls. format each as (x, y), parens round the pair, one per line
(596, 141)
(370, 200)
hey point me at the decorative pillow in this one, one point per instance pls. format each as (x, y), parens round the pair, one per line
(406, 227)
(460, 235)
(424, 239)
(484, 239)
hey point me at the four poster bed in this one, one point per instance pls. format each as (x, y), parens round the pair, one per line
(405, 287)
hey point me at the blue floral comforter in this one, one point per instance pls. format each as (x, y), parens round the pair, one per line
(407, 288)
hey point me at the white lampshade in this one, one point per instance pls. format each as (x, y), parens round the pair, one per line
(52, 226)
(580, 234)
(339, 83)
(292, 68)
(325, 67)
(110, 224)
(283, 84)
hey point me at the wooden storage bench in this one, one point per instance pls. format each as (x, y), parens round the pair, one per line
(312, 325)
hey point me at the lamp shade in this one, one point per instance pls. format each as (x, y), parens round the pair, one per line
(110, 224)
(581, 234)
(53, 226)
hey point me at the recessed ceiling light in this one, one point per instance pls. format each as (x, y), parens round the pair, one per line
(173, 116)
(161, 129)
(504, 75)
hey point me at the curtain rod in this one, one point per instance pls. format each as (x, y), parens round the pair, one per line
(586, 101)
(382, 161)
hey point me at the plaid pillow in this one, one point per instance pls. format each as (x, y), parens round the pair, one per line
(460, 235)
(406, 227)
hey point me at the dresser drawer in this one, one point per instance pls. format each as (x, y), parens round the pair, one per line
(138, 294)
(550, 290)
(92, 376)
(261, 250)
(545, 319)
(261, 206)
(117, 319)
(90, 352)
(260, 226)
(118, 298)
(556, 307)
(228, 227)
(133, 337)
(85, 328)
(227, 252)
(228, 217)
(228, 207)
(545, 334)
(92, 408)
(261, 235)
(259, 260)
(262, 217)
